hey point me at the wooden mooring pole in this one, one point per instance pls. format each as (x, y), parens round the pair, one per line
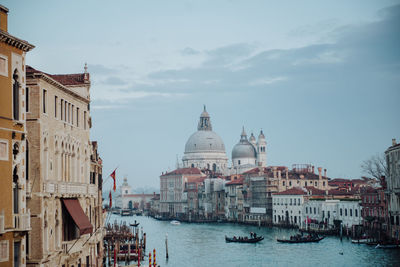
(166, 245)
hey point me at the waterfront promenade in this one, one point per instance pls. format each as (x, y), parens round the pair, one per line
(192, 244)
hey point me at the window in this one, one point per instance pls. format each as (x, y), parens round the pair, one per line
(84, 120)
(72, 115)
(3, 65)
(345, 212)
(62, 109)
(69, 112)
(27, 99)
(239, 162)
(55, 106)
(15, 96)
(306, 183)
(323, 183)
(290, 183)
(283, 183)
(306, 210)
(315, 211)
(351, 212)
(44, 100)
(65, 110)
(356, 213)
(341, 212)
(77, 118)
(329, 214)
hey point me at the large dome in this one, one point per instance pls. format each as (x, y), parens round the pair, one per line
(244, 150)
(204, 141)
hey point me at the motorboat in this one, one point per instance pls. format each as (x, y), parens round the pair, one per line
(175, 222)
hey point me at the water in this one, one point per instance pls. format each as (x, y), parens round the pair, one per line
(204, 245)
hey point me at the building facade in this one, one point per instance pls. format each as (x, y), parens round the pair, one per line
(288, 206)
(393, 188)
(64, 172)
(14, 214)
(127, 200)
(173, 198)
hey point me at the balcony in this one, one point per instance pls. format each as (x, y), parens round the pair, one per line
(73, 246)
(53, 187)
(2, 224)
(22, 222)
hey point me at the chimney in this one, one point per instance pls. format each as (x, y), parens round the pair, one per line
(274, 171)
(3, 18)
(313, 169)
(320, 172)
(394, 142)
(325, 173)
(287, 172)
(279, 174)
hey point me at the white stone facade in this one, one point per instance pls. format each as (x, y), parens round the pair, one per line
(287, 209)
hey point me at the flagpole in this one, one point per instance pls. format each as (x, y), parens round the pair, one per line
(108, 177)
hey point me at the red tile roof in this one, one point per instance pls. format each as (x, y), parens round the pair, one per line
(293, 191)
(315, 191)
(236, 182)
(184, 171)
(64, 79)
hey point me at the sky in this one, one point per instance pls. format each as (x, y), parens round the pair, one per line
(320, 78)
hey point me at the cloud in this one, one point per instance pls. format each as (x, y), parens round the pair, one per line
(356, 50)
(113, 80)
(267, 81)
(123, 96)
(188, 51)
(100, 69)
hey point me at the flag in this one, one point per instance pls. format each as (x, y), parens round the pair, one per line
(113, 176)
(110, 200)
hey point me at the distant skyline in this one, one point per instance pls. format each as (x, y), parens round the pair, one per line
(322, 79)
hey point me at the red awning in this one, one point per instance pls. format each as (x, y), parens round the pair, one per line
(77, 214)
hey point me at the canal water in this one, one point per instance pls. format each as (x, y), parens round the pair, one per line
(204, 245)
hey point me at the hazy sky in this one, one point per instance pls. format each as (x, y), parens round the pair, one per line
(321, 78)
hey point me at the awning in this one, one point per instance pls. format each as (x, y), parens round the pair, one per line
(81, 220)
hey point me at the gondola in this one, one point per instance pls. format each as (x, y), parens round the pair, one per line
(243, 239)
(301, 240)
(134, 224)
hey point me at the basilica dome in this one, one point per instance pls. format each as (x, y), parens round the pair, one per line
(204, 148)
(204, 141)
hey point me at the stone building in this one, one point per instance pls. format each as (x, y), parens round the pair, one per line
(393, 188)
(127, 200)
(65, 200)
(173, 198)
(96, 178)
(288, 205)
(14, 214)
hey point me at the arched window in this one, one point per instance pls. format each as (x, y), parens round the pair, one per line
(192, 165)
(214, 167)
(15, 96)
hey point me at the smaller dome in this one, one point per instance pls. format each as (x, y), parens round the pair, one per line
(243, 150)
